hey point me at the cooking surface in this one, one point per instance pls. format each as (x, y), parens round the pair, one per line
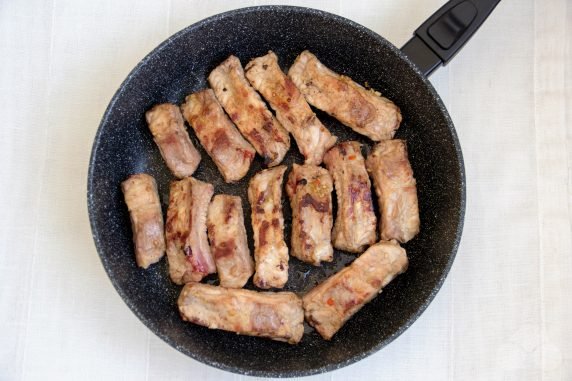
(503, 309)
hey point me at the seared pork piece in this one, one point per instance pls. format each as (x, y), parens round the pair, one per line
(270, 250)
(309, 188)
(222, 141)
(364, 111)
(188, 250)
(275, 315)
(249, 112)
(227, 236)
(142, 199)
(168, 129)
(396, 190)
(292, 110)
(330, 304)
(355, 224)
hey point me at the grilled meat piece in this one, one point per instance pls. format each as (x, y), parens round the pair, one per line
(355, 226)
(275, 315)
(270, 250)
(227, 236)
(364, 111)
(231, 153)
(168, 129)
(396, 190)
(188, 250)
(309, 188)
(292, 110)
(144, 207)
(330, 304)
(247, 110)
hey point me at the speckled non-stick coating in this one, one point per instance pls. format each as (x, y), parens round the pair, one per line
(180, 66)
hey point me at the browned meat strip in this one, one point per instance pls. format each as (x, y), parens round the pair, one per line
(396, 190)
(248, 111)
(364, 111)
(330, 304)
(310, 190)
(275, 315)
(270, 250)
(188, 249)
(355, 224)
(292, 110)
(222, 141)
(227, 236)
(144, 207)
(168, 129)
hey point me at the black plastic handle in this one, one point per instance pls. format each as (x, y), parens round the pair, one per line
(439, 38)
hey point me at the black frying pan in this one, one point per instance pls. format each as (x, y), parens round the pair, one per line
(180, 66)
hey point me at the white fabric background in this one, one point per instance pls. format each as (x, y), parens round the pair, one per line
(504, 312)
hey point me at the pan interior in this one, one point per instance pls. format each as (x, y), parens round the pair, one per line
(180, 66)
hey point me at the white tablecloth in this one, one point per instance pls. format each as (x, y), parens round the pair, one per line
(503, 313)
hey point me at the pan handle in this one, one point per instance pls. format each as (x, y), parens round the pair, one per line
(439, 38)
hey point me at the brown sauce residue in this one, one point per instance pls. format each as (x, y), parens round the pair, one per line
(350, 304)
(359, 190)
(306, 241)
(284, 106)
(224, 249)
(229, 210)
(319, 206)
(220, 140)
(290, 87)
(170, 139)
(260, 202)
(262, 233)
(256, 139)
(171, 218)
(267, 126)
(248, 155)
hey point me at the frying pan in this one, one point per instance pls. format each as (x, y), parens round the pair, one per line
(180, 65)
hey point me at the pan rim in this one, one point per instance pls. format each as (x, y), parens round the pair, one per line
(237, 369)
